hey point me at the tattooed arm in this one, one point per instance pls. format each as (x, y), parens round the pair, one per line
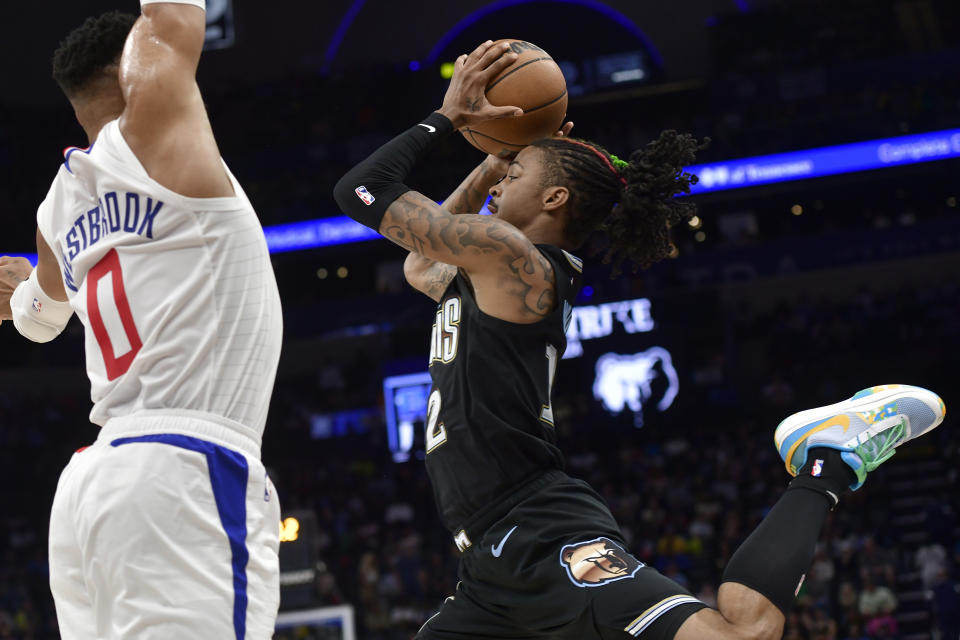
(473, 191)
(511, 279)
(429, 276)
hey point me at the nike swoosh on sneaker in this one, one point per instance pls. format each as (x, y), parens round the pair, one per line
(841, 420)
(498, 549)
(428, 127)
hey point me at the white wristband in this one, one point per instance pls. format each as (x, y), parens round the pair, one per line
(197, 3)
(36, 315)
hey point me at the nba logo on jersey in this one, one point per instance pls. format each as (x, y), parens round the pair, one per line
(36, 305)
(817, 468)
(364, 195)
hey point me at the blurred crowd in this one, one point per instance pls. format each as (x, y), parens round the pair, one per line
(686, 489)
(693, 482)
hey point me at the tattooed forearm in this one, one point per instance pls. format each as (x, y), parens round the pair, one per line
(472, 192)
(497, 255)
(417, 224)
(403, 237)
(466, 199)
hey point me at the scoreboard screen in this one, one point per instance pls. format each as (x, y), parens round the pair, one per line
(405, 404)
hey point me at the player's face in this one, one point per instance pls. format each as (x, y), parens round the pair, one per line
(517, 198)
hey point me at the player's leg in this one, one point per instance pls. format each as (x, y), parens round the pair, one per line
(180, 541)
(829, 450)
(263, 544)
(73, 603)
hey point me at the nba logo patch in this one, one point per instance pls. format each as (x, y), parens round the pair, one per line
(364, 195)
(817, 468)
(36, 305)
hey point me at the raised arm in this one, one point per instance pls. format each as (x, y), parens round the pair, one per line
(429, 276)
(165, 122)
(511, 279)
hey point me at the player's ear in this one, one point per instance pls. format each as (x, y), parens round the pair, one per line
(555, 198)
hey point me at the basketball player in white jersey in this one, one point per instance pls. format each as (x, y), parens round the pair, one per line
(167, 526)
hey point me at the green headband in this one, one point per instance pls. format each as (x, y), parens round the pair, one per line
(618, 163)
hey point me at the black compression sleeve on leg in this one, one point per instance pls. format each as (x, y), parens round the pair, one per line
(365, 192)
(775, 557)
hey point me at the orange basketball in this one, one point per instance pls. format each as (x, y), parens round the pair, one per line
(535, 84)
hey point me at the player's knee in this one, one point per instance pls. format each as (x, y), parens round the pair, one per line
(710, 623)
(762, 629)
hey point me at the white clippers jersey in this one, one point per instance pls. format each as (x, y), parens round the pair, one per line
(177, 295)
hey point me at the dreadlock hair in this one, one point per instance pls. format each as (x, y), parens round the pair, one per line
(633, 203)
(88, 50)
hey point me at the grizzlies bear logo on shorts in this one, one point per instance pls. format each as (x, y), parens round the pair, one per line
(597, 562)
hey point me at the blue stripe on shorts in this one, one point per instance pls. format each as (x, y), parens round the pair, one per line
(228, 477)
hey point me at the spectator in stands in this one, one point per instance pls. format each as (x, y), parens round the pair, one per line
(945, 602)
(855, 632)
(818, 625)
(882, 627)
(931, 560)
(847, 602)
(876, 600)
(876, 563)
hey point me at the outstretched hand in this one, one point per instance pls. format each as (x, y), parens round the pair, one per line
(465, 102)
(13, 271)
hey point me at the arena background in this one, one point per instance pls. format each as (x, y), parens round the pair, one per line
(786, 295)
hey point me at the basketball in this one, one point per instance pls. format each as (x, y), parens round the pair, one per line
(535, 84)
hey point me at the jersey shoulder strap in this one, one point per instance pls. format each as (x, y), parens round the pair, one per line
(568, 272)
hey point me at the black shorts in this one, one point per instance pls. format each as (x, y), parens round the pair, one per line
(556, 567)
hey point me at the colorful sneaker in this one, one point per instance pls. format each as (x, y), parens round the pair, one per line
(867, 428)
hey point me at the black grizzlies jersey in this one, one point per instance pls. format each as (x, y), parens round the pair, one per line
(489, 428)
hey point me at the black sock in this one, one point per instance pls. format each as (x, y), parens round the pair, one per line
(774, 558)
(826, 473)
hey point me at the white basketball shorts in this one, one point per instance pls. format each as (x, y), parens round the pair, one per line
(166, 527)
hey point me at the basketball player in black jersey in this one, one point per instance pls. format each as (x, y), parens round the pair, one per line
(542, 555)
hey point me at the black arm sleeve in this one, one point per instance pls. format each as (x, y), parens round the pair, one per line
(365, 192)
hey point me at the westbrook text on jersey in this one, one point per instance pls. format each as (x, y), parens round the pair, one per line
(128, 212)
(115, 212)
